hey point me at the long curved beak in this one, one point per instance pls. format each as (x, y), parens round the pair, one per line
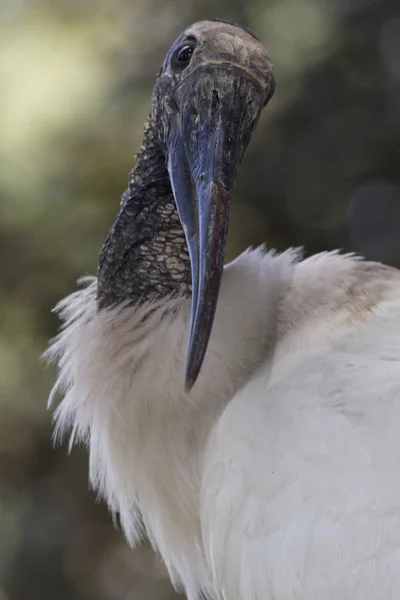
(212, 130)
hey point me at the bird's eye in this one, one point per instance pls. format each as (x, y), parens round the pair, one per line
(183, 55)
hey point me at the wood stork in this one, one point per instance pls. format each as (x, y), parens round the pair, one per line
(274, 474)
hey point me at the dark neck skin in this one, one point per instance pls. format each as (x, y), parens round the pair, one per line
(145, 255)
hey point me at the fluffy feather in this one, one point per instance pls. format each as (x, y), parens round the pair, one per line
(277, 476)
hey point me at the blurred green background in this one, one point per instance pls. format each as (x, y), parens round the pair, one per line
(323, 171)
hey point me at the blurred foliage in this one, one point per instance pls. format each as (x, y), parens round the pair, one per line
(75, 81)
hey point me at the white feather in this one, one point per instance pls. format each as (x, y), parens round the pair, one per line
(277, 476)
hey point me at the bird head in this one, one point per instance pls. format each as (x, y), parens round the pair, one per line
(215, 80)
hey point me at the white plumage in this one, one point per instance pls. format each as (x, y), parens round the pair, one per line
(277, 477)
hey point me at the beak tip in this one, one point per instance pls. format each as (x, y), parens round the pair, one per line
(189, 383)
(191, 375)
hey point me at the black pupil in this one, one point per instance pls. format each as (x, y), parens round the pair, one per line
(184, 54)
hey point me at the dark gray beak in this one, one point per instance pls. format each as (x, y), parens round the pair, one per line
(218, 108)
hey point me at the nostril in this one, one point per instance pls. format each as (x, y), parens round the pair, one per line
(215, 100)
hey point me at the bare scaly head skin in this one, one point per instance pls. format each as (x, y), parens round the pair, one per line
(229, 45)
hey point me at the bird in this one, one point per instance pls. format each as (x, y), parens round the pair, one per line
(244, 417)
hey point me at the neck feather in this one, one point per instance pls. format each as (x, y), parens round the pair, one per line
(145, 255)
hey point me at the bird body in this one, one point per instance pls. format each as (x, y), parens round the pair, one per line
(301, 490)
(272, 474)
(277, 476)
